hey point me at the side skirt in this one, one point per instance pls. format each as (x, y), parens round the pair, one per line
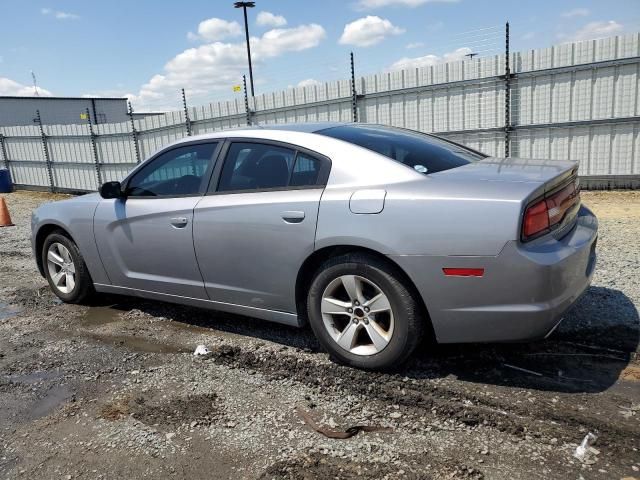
(285, 318)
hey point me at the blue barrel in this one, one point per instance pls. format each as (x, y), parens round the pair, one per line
(6, 186)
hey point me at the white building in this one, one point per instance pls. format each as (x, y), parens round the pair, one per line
(61, 110)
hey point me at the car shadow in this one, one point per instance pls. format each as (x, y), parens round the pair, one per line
(589, 352)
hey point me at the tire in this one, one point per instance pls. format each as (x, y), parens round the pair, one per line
(401, 327)
(81, 287)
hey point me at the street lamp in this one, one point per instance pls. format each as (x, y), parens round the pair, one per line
(244, 6)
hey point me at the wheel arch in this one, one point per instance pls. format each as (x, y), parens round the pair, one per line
(311, 264)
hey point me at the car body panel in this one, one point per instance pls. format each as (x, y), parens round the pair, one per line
(241, 237)
(439, 220)
(522, 295)
(75, 216)
(285, 318)
(142, 249)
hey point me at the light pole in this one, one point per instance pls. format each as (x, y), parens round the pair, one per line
(244, 6)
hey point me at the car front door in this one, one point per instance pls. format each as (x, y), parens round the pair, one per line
(257, 224)
(145, 239)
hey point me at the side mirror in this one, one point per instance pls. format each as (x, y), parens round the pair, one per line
(111, 190)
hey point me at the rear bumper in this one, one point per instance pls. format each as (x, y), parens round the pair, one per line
(522, 295)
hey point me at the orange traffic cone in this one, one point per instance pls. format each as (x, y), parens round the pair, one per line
(5, 218)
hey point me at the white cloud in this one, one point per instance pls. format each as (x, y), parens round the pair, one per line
(214, 29)
(414, 45)
(280, 40)
(13, 88)
(368, 31)
(108, 93)
(429, 60)
(214, 67)
(268, 19)
(576, 12)
(309, 82)
(59, 15)
(369, 4)
(594, 30)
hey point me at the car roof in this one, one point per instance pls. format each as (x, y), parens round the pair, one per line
(311, 127)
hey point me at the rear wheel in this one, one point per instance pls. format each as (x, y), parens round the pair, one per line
(65, 269)
(362, 313)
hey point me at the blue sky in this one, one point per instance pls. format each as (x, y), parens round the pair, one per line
(148, 49)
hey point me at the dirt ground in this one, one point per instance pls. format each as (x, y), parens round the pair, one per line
(112, 390)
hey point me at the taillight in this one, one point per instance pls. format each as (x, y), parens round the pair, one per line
(536, 219)
(543, 215)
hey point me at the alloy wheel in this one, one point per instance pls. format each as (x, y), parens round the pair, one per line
(357, 315)
(61, 268)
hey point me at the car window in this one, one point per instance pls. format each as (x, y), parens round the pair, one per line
(305, 171)
(256, 166)
(425, 153)
(178, 172)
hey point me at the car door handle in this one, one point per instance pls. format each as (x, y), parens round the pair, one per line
(293, 216)
(179, 222)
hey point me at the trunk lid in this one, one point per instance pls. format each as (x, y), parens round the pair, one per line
(523, 170)
(548, 190)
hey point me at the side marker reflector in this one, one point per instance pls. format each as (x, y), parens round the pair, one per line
(463, 272)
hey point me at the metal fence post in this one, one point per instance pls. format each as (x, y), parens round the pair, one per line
(3, 151)
(94, 149)
(187, 120)
(246, 100)
(45, 149)
(134, 133)
(354, 94)
(507, 96)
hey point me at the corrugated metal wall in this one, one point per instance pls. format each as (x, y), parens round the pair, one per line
(58, 110)
(574, 101)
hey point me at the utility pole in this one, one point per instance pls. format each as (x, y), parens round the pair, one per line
(244, 6)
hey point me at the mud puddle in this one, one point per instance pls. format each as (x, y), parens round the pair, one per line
(55, 397)
(138, 344)
(7, 311)
(99, 316)
(33, 378)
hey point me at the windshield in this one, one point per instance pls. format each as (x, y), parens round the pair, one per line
(424, 153)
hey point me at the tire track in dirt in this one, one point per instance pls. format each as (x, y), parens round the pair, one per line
(564, 422)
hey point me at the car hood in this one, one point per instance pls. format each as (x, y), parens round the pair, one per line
(87, 197)
(526, 170)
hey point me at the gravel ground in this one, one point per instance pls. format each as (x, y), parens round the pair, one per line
(111, 390)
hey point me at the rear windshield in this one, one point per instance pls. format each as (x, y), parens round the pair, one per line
(425, 153)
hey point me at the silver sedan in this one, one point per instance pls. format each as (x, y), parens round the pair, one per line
(375, 236)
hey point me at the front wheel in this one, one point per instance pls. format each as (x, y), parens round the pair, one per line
(65, 269)
(362, 313)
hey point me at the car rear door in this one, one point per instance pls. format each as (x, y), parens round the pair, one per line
(257, 224)
(145, 240)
